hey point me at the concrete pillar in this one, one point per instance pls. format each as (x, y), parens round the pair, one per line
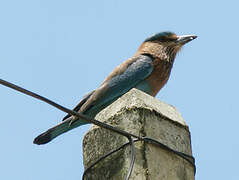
(143, 115)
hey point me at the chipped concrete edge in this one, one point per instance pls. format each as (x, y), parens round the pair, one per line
(138, 99)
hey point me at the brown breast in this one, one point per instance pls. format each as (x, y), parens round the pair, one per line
(160, 75)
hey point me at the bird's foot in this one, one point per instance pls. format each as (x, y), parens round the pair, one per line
(74, 118)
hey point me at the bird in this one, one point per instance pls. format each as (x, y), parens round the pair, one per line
(147, 70)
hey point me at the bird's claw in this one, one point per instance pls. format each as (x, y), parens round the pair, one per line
(72, 121)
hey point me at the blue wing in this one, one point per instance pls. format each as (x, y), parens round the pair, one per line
(128, 75)
(125, 77)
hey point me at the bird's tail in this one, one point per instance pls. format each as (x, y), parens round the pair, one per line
(58, 130)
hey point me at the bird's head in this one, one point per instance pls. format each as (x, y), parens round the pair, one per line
(164, 45)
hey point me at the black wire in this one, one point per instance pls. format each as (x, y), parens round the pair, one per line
(114, 151)
(98, 123)
(180, 154)
(151, 141)
(106, 126)
(105, 156)
(64, 109)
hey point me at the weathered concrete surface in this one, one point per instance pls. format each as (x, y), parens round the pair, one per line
(143, 115)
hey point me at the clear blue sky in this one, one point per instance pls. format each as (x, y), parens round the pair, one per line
(63, 49)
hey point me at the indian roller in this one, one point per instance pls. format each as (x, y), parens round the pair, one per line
(148, 70)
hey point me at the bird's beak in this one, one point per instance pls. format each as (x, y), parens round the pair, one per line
(185, 39)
